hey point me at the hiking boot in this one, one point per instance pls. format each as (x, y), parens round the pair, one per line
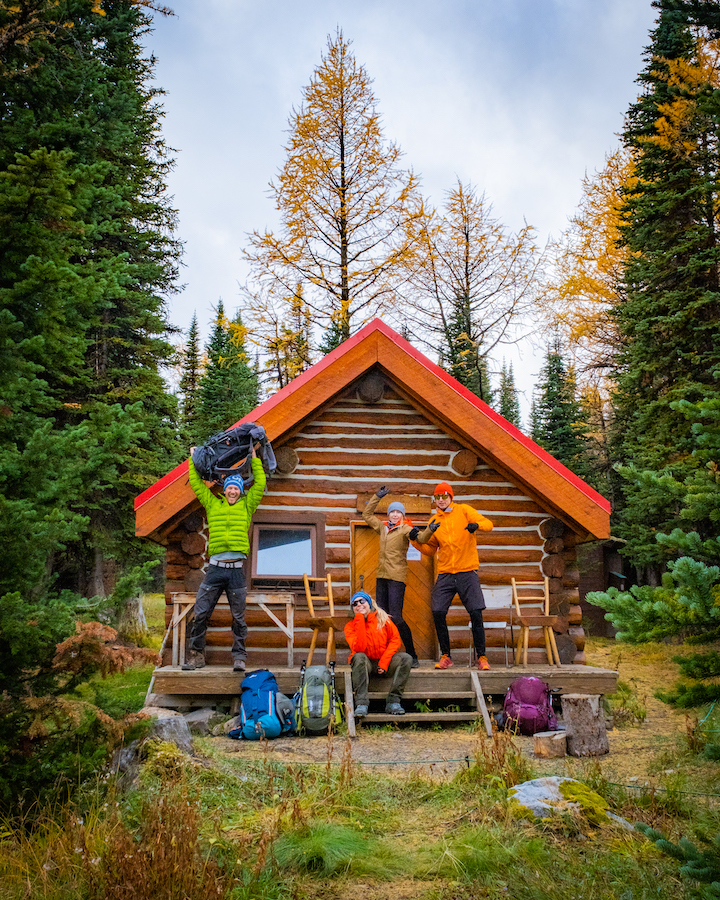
(239, 665)
(361, 711)
(483, 664)
(415, 664)
(195, 660)
(445, 662)
(394, 709)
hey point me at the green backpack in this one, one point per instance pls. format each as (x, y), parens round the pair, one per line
(316, 704)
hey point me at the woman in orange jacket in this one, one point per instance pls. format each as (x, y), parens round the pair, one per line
(375, 649)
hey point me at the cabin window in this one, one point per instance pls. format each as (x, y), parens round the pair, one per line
(283, 552)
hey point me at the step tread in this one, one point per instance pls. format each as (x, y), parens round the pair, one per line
(426, 695)
(420, 717)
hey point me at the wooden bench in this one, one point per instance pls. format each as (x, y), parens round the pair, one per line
(183, 604)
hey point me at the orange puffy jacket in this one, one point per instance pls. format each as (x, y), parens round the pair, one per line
(456, 547)
(364, 636)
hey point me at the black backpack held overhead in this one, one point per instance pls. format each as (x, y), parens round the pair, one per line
(221, 453)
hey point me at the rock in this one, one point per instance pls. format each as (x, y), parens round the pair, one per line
(199, 720)
(170, 726)
(126, 765)
(542, 798)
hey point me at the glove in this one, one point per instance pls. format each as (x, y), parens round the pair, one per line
(434, 526)
(413, 533)
(382, 491)
(472, 527)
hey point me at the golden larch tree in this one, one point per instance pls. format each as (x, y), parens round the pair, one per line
(346, 206)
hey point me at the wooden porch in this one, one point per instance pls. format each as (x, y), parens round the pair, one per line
(460, 693)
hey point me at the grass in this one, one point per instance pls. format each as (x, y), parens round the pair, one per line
(228, 827)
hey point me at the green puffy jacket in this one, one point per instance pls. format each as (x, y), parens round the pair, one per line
(229, 524)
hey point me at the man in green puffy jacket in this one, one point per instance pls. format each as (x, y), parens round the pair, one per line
(229, 520)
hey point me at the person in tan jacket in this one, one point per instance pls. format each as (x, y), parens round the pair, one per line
(451, 534)
(392, 564)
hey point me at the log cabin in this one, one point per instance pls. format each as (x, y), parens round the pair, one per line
(376, 412)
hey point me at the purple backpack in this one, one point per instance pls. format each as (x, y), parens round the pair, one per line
(528, 706)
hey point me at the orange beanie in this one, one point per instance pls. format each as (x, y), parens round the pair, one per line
(444, 488)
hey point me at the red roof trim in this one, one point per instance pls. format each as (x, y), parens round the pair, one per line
(378, 325)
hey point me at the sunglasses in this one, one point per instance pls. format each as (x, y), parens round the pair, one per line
(358, 602)
(443, 496)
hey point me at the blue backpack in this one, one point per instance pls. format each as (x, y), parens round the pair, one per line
(263, 714)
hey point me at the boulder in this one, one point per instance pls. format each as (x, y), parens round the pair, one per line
(170, 726)
(555, 795)
(199, 720)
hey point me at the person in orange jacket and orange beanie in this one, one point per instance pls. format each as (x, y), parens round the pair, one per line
(451, 534)
(375, 649)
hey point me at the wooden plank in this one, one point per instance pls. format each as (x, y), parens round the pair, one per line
(480, 697)
(221, 681)
(349, 704)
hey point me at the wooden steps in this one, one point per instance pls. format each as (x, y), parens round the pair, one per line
(427, 717)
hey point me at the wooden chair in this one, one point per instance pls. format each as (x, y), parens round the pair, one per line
(528, 590)
(329, 623)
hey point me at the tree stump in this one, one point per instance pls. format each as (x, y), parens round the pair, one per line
(584, 725)
(549, 744)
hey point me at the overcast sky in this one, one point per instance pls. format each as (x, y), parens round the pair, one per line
(519, 97)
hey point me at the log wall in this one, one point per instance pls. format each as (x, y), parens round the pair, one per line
(335, 462)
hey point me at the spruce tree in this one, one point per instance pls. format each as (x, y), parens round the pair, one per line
(669, 312)
(190, 382)
(508, 402)
(84, 105)
(557, 414)
(229, 386)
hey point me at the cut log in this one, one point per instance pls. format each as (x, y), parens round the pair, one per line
(464, 462)
(287, 460)
(193, 544)
(552, 528)
(584, 725)
(549, 744)
(553, 566)
(554, 545)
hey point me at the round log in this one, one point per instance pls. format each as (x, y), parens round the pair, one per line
(193, 522)
(555, 586)
(584, 725)
(464, 462)
(196, 562)
(287, 460)
(554, 545)
(553, 566)
(193, 543)
(193, 579)
(552, 528)
(549, 744)
(371, 388)
(566, 648)
(176, 572)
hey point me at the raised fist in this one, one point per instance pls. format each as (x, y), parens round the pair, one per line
(471, 527)
(413, 533)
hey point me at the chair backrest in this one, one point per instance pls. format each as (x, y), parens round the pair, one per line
(528, 590)
(322, 600)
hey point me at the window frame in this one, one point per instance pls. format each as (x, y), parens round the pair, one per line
(288, 520)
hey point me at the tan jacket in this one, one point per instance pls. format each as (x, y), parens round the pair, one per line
(392, 559)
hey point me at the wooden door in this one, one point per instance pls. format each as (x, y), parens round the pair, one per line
(416, 609)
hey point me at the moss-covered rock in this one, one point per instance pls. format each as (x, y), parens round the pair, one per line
(543, 798)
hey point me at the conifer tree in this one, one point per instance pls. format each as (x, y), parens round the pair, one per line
(190, 382)
(669, 314)
(95, 121)
(346, 205)
(557, 414)
(228, 388)
(508, 402)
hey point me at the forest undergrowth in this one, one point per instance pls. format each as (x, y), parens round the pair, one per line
(223, 825)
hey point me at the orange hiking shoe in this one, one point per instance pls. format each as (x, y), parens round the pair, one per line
(483, 663)
(444, 663)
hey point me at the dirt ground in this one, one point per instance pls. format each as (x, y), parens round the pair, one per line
(634, 749)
